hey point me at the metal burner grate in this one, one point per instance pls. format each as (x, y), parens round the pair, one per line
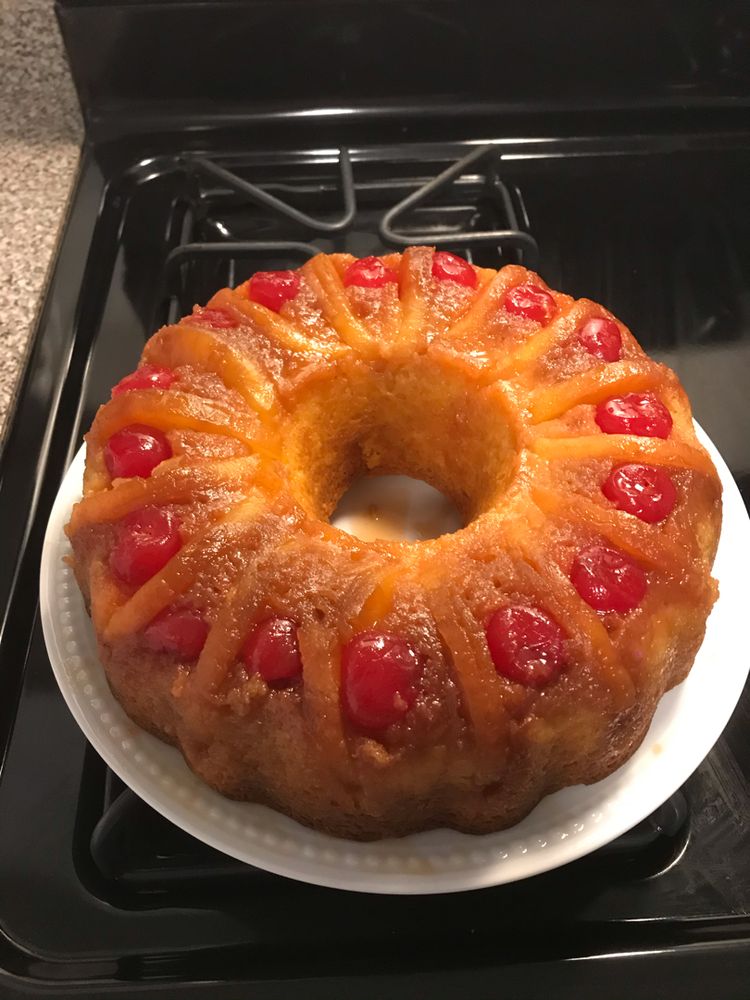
(663, 240)
(227, 224)
(510, 202)
(260, 195)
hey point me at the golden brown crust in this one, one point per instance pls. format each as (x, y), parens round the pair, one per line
(270, 420)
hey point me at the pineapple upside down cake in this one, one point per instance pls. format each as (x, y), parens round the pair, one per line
(371, 689)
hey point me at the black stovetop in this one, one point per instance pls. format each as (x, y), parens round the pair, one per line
(98, 889)
(99, 894)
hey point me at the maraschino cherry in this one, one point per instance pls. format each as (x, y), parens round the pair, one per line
(146, 541)
(601, 337)
(379, 673)
(530, 302)
(369, 272)
(642, 490)
(526, 645)
(608, 579)
(145, 377)
(273, 288)
(272, 651)
(639, 413)
(135, 450)
(181, 632)
(448, 267)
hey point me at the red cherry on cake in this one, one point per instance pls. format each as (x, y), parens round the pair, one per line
(639, 413)
(642, 490)
(448, 267)
(608, 579)
(181, 632)
(273, 288)
(379, 673)
(221, 319)
(145, 377)
(526, 645)
(146, 541)
(369, 272)
(602, 338)
(530, 302)
(272, 651)
(135, 450)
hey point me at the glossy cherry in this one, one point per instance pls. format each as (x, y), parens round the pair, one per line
(145, 377)
(448, 267)
(273, 288)
(526, 645)
(146, 541)
(602, 338)
(272, 651)
(379, 673)
(608, 579)
(639, 413)
(135, 450)
(530, 302)
(220, 319)
(182, 632)
(369, 272)
(642, 490)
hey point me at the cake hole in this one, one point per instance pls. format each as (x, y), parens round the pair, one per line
(396, 508)
(420, 419)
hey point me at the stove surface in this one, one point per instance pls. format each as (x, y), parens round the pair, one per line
(97, 892)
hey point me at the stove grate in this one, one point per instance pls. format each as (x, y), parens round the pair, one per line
(513, 237)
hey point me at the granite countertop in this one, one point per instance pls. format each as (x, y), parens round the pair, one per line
(40, 136)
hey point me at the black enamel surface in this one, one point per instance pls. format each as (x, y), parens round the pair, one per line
(656, 230)
(620, 135)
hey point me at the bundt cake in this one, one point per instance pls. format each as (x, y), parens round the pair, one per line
(371, 689)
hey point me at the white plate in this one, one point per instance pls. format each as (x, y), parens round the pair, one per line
(563, 826)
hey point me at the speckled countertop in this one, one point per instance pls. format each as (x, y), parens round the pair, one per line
(40, 135)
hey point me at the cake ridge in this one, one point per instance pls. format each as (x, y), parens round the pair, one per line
(168, 347)
(624, 447)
